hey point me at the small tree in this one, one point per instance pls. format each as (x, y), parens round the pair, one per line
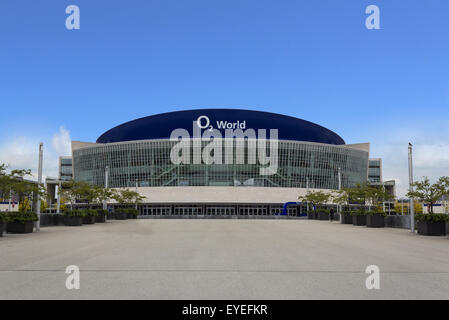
(318, 198)
(376, 195)
(25, 190)
(428, 192)
(127, 197)
(78, 190)
(102, 194)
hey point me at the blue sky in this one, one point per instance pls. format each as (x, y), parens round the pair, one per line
(310, 59)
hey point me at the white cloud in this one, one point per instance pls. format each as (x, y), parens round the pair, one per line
(430, 156)
(22, 152)
(61, 142)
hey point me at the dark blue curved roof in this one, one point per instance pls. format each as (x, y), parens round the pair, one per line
(160, 126)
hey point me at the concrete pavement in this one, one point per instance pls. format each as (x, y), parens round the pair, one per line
(223, 259)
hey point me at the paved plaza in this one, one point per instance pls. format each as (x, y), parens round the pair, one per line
(223, 259)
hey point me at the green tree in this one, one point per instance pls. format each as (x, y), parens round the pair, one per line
(25, 190)
(428, 192)
(127, 197)
(318, 198)
(102, 194)
(78, 190)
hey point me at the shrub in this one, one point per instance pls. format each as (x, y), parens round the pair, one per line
(74, 213)
(434, 217)
(131, 211)
(360, 212)
(4, 217)
(22, 216)
(102, 211)
(90, 212)
(377, 211)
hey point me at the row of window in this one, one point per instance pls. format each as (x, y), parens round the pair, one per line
(147, 163)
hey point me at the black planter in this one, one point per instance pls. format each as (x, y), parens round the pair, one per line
(427, 228)
(120, 215)
(131, 216)
(89, 220)
(346, 219)
(18, 227)
(359, 220)
(73, 221)
(101, 218)
(322, 216)
(58, 219)
(311, 215)
(375, 221)
(1, 229)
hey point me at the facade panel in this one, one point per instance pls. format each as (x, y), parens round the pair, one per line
(147, 163)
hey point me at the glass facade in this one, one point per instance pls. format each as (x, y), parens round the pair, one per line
(65, 168)
(374, 170)
(147, 163)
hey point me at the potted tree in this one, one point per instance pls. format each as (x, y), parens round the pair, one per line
(126, 198)
(73, 218)
(376, 218)
(307, 199)
(376, 196)
(430, 224)
(3, 221)
(21, 222)
(102, 195)
(101, 215)
(359, 217)
(342, 198)
(90, 216)
(318, 199)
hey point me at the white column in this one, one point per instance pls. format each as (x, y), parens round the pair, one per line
(58, 210)
(106, 185)
(39, 182)
(410, 178)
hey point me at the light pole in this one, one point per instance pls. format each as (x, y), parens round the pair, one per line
(339, 188)
(410, 179)
(137, 185)
(39, 182)
(58, 210)
(307, 191)
(9, 203)
(106, 185)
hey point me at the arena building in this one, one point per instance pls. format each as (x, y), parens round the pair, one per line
(220, 162)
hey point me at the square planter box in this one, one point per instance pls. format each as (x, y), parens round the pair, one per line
(427, 228)
(18, 227)
(58, 219)
(375, 221)
(130, 216)
(323, 216)
(311, 215)
(73, 221)
(359, 220)
(89, 220)
(346, 219)
(101, 218)
(120, 216)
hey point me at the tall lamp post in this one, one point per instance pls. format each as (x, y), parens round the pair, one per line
(410, 179)
(39, 182)
(339, 188)
(106, 185)
(58, 210)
